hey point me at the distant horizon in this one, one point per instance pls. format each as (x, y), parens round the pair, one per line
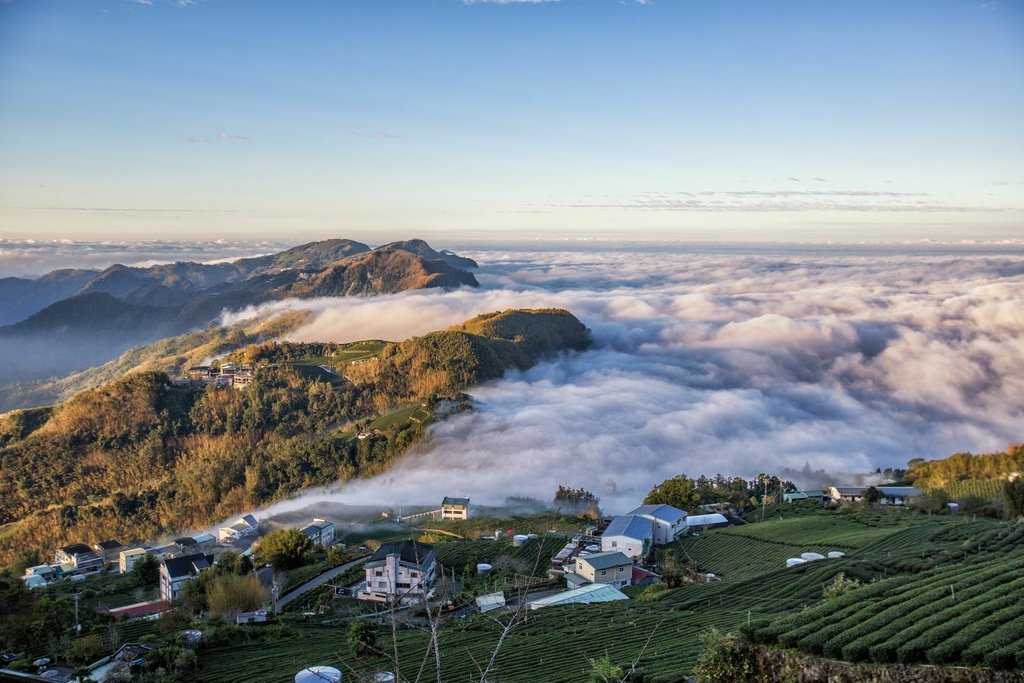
(33, 257)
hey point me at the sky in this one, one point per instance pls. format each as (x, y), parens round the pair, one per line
(448, 119)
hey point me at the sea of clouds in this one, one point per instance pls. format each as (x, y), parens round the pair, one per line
(31, 258)
(730, 360)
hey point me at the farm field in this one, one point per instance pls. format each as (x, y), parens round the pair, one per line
(967, 614)
(836, 531)
(905, 564)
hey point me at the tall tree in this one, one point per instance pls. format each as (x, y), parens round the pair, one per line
(679, 491)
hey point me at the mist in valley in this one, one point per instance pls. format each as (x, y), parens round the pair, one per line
(709, 362)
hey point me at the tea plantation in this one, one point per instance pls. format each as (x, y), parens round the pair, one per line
(937, 590)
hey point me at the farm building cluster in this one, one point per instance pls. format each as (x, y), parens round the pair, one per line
(180, 559)
(227, 375)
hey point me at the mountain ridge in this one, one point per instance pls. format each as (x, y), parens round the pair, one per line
(81, 318)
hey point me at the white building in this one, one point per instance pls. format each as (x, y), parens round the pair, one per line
(399, 570)
(669, 522)
(246, 526)
(612, 568)
(127, 559)
(890, 495)
(631, 535)
(177, 570)
(701, 522)
(455, 508)
(319, 531)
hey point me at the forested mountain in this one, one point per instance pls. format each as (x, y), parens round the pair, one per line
(171, 355)
(143, 455)
(72, 320)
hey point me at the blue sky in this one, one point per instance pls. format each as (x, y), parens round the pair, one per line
(688, 119)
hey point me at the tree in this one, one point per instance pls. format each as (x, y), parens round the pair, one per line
(1013, 498)
(146, 571)
(840, 586)
(871, 496)
(603, 670)
(933, 502)
(679, 491)
(362, 638)
(723, 659)
(229, 594)
(285, 548)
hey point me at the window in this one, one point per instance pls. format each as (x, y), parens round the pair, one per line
(615, 544)
(603, 572)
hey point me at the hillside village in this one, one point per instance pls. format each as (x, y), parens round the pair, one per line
(619, 559)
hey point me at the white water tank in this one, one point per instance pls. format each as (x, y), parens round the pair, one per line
(384, 677)
(520, 539)
(483, 569)
(318, 674)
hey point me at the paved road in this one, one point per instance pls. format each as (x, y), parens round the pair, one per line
(313, 583)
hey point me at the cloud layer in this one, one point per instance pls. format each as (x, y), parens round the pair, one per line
(31, 258)
(734, 362)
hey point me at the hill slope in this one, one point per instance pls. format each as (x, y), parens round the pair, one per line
(76, 319)
(141, 456)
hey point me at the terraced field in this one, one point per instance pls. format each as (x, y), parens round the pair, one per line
(905, 610)
(833, 530)
(965, 614)
(734, 556)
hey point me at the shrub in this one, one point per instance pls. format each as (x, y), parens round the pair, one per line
(724, 658)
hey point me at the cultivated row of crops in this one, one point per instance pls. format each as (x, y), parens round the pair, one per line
(957, 614)
(820, 530)
(734, 556)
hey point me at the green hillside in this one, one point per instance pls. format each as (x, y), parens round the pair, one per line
(141, 456)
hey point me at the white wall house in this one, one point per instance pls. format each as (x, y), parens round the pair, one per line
(613, 568)
(669, 522)
(455, 508)
(631, 535)
(319, 531)
(891, 495)
(399, 570)
(174, 571)
(80, 558)
(127, 559)
(246, 526)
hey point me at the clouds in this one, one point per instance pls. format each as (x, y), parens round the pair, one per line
(27, 258)
(785, 200)
(714, 362)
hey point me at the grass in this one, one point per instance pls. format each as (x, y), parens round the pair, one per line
(416, 412)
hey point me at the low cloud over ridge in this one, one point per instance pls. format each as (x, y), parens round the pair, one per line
(704, 363)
